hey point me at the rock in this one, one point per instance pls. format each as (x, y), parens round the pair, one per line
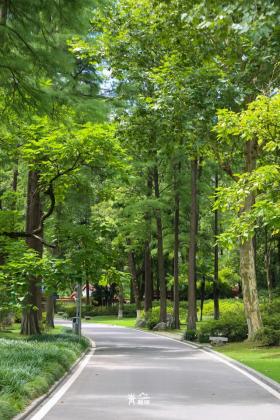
(161, 326)
(140, 323)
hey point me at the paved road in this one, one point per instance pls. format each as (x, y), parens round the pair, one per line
(137, 375)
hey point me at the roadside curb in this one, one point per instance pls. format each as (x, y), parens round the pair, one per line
(259, 376)
(38, 401)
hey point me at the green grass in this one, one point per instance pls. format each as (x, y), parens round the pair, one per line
(113, 320)
(263, 359)
(14, 332)
(29, 366)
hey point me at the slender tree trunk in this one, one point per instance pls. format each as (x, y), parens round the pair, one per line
(267, 258)
(87, 292)
(161, 271)
(192, 314)
(132, 297)
(30, 318)
(176, 254)
(148, 278)
(50, 311)
(202, 297)
(216, 258)
(15, 179)
(121, 301)
(247, 258)
(133, 271)
(147, 256)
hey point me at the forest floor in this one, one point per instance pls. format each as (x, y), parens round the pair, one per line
(30, 366)
(265, 360)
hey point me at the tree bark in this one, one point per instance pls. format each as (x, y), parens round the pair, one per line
(50, 311)
(121, 301)
(192, 314)
(87, 292)
(202, 297)
(176, 256)
(216, 258)
(133, 272)
(30, 317)
(148, 278)
(160, 255)
(247, 257)
(267, 258)
(147, 255)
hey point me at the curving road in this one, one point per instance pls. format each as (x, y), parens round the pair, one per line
(137, 375)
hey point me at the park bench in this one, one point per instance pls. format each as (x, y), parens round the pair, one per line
(218, 340)
(87, 318)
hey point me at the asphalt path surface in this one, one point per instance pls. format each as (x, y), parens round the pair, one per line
(137, 375)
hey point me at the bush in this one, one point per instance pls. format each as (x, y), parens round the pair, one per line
(267, 336)
(203, 337)
(231, 325)
(226, 306)
(189, 335)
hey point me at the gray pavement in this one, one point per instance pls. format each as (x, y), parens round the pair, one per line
(137, 375)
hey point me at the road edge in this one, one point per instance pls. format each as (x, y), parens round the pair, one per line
(40, 400)
(258, 375)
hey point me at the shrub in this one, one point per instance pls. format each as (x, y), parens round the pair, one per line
(203, 337)
(267, 336)
(231, 325)
(189, 335)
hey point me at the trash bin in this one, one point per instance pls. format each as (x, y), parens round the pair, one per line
(75, 325)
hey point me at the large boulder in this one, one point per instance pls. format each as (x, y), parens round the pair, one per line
(161, 326)
(140, 323)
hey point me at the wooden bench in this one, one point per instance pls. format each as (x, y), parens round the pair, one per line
(218, 340)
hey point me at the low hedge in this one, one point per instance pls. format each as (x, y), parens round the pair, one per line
(69, 310)
(231, 325)
(28, 367)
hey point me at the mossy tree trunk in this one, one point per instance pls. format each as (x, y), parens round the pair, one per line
(247, 256)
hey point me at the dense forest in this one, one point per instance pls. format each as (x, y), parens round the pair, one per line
(139, 149)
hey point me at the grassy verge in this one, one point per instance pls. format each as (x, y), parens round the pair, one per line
(28, 367)
(265, 360)
(112, 320)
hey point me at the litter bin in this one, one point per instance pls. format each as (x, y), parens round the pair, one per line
(75, 325)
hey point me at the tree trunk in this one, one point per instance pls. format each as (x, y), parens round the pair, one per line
(161, 271)
(87, 292)
(148, 278)
(50, 311)
(202, 296)
(147, 256)
(216, 258)
(121, 301)
(176, 256)
(247, 257)
(267, 258)
(133, 272)
(30, 317)
(192, 314)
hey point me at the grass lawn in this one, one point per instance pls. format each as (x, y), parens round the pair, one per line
(263, 359)
(29, 366)
(113, 320)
